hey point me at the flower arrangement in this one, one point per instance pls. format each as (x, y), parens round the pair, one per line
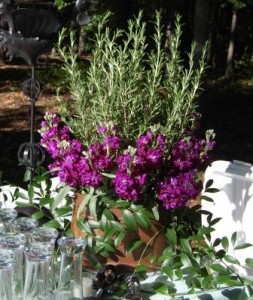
(127, 139)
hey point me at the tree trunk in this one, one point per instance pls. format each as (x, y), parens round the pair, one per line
(212, 35)
(231, 46)
(201, 26)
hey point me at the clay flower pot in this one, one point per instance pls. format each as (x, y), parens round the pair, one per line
(154, 241)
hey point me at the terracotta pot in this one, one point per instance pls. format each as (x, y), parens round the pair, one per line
(154, 237)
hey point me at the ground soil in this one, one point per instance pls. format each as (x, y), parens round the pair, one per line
(227, 109)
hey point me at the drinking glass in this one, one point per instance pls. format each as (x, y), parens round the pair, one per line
(15, 242)
(7, 215)
(27, 225)
(38, 273)
(48, 235)
(6, 259)
(45, 234)
(70, 278)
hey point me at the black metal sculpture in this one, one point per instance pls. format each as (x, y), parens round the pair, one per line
(29, 33)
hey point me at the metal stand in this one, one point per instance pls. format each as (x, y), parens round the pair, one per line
(31, 154)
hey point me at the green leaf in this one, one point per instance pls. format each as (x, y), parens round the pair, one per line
(84, 226)
(186, 262)
(207, 282)
(118, 226)
(217, 242)
(204, 231)
(220, 253)
(108, 247)
(129, 220)
(93, 224)
(53, 224)
(227, 280)
(171, 235)
(155, 212)
(62, 211)
(179, 274)
(122, 204)
(224, 243)
(234, 238)
(109, 233)
(118, 239)
(27, 175)
(108, 214)
(243, 246)
(24, 204)
(105, 224)
(231, 259)
(22, 195)
(206, 198)
(186, 247)
(141, 268)
(209, 184)
(196, 282)
(212, 190)
(168, 271)
(103, 253)
(38, 215)
(61, 196)
(141, 220)
(31, 193)
(161, 288)
(249, 262)
(219, 268)
(164, 288)
(214, 221)
(93, 206)
(134, 245)
(205, 212)
(46, 200)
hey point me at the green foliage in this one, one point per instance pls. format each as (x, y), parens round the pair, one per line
(202, 264)
(51, 202)
(60, 4)
(131, 85)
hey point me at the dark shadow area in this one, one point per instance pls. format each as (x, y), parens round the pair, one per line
(229, 112)
(11, 172)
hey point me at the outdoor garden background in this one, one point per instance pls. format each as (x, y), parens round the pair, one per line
(226, 103)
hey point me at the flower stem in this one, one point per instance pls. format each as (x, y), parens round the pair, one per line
(148, 243)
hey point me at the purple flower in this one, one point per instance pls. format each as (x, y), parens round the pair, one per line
(123, 161)
(102, 129)
(91, 178)
(154, 157)
(112, 142)
(150, 169)
(144, 140)
(128, 187)
(175, 192)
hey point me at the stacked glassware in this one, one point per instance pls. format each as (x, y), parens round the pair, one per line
(27, 269)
